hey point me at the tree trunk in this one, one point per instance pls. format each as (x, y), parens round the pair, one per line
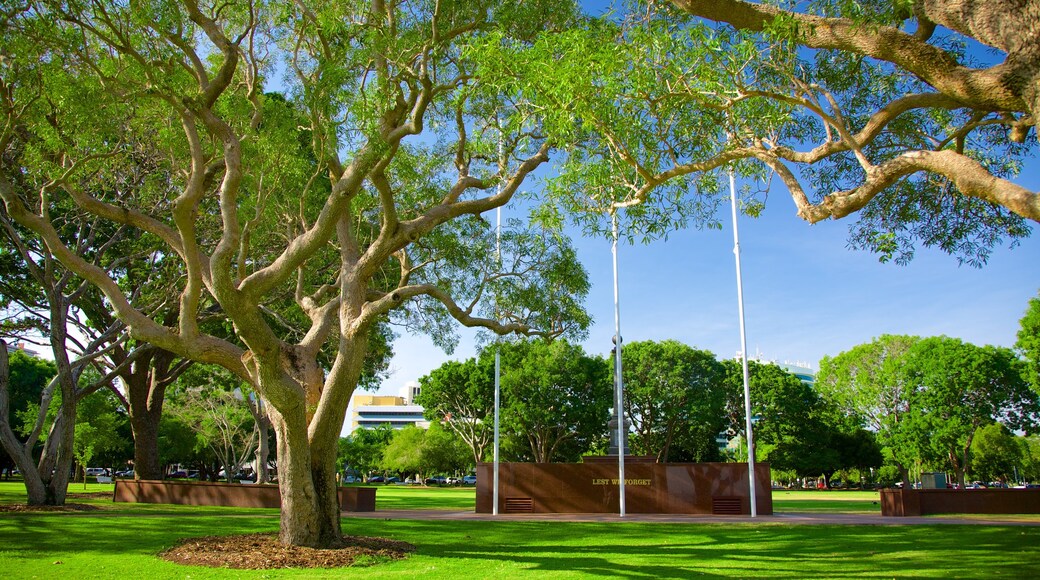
(308, 517)
(56, 461)
(905, 474)
(35, 490)
(146, 381)
(145, 428)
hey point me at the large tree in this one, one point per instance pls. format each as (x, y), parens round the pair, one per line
(855, 108)
(959, 389)
(377, 222)
(671, 390)
(884, 71)
(871, 381)
(47, 302)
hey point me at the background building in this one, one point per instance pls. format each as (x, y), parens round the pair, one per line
(370, 411)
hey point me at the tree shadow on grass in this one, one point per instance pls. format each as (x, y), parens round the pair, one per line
(742, 550)
(28, 534)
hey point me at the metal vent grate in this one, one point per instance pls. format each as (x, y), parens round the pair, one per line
(726, 506)
(519, 505)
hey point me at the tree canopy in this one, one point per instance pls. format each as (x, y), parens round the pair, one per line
(461, 395)
(927, 398)
(555, 399)
(673, 394)
(877, 111)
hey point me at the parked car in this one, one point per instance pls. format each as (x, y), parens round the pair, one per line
(179, 474)
(376, 479)
(436, 480)
(126, 473)
(96, 471)
(469, 480)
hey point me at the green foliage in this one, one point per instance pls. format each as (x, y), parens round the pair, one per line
(656, 100)
(871, 382)
(28, 377)
(211, 402)
(423, 452)
(555, 399)
(404, 453)
(961, 388)
(996, 454)
(363, 450)
(927, 398)
(1028, 343)
(461, 396)
(102, 431)
(675, 400)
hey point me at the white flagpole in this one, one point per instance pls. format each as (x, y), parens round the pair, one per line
(498, 358)
(619, 394)
(743, 348)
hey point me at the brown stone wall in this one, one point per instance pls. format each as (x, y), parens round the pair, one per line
(356, 499)
(923, 502)
(592, 487)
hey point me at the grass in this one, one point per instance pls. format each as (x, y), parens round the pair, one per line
(838, 502)
(123, 540)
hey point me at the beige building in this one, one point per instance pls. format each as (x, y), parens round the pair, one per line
(370, 411)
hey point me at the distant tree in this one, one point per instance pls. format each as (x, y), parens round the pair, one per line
(795, 429)
(362, 450)
(1030, 450)
(29, 376)
(671, 390)
(423, 452)
(996, 454)
(555, 398)
(101, 431)
(404, 452)
(871, 381)
(179, 443)
(781, 403)
(1028, 343)
(461, 396)
(213, 404)
(444, 451)
(961, 388)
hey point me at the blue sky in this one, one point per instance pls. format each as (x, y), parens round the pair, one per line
(806, 295)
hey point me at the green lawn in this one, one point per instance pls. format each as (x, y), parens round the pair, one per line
(122, 540)
(834, 501)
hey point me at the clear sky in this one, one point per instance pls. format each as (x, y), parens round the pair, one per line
(806, 294)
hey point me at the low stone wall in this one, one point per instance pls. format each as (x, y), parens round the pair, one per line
(650, 488)
(923, 502)
(351, 499)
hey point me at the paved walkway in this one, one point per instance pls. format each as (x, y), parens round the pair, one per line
(777, 518)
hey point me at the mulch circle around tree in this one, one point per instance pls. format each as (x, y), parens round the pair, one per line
(264, 552)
